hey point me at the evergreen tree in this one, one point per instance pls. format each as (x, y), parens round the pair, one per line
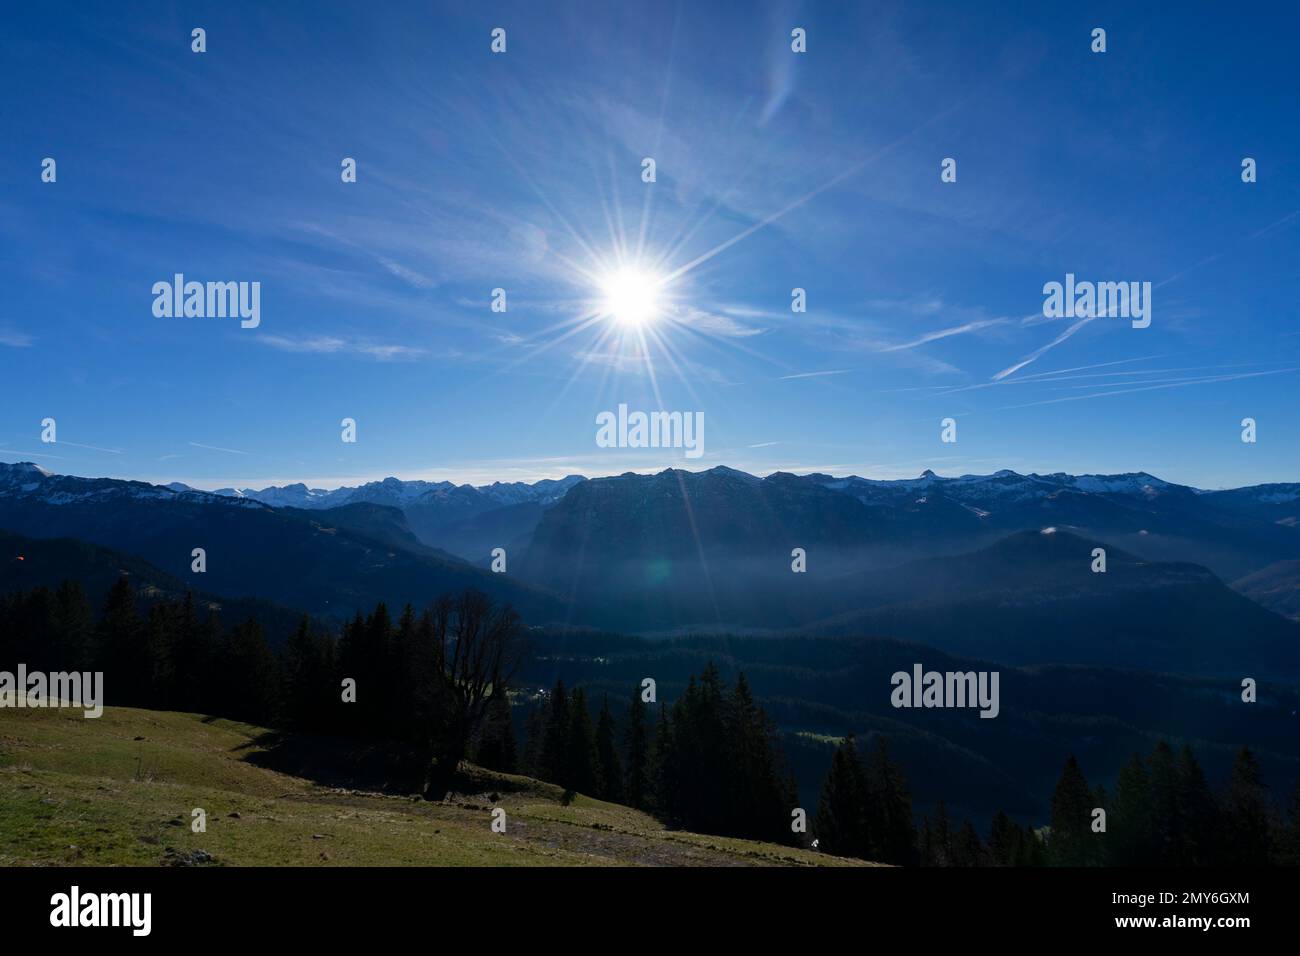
(664, 770)
(1167, 828)
(1004, 840)
(193, 653)
(1201, 845)
(941, 849)
(401, 671)
(122, 651)
(534, 742)
(308, 684)
(701, 757)
(638, 753)
(968, 849)
(581, 761)
(161, 633)
(842, 812)
(1071, 818)
(610, 766)
(555, 740)
(248, 674)
(73, 627)
(354, 664)
(427, 689)
(889, 808)
(374, 708)
(1129, 821)
(758, 796)
(1249, 822)
(926, 842)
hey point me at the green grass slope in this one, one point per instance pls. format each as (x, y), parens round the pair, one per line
(119, 790)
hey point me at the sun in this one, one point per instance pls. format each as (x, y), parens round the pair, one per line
(631, 296)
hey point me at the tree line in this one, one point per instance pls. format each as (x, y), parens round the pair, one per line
(1163, 813)
(438, 681)
(711, 762)
(430, 680)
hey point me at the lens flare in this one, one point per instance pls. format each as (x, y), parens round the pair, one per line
(631, 297)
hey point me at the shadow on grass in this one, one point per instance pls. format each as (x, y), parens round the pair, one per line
(338, 761)
(354, 764)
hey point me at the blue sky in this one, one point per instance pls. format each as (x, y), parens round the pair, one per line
(522, 171)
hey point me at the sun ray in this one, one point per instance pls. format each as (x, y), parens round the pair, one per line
(806, 197)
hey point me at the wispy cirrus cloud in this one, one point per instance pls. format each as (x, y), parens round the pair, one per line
(1039, 352)
(747, 312)
(409, 276)
(963, 329)
(73, 444)
(23, 455)
(1149, 387)
(1194, 269)
(336, 345)
(829, 371)
(717, 323)
(509, 338)
(877, 328)
(16, 340)
(228, 451)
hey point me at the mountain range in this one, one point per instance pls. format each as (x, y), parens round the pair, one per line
(431, 507)
(332, 562)
(998, 565)
(1234, 532)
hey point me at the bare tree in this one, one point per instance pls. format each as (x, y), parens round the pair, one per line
(476, 646)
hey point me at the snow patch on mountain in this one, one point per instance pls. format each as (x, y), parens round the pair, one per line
(396, 493)
(1131, 484)
(16, 481)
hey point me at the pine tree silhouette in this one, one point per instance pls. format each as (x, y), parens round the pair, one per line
(841, 823)
(637, 741)
(610, 766)
(1071, 818)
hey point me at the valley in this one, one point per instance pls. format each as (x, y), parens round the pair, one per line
(976, 574)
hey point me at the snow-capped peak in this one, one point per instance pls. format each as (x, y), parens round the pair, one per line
(24, 468)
